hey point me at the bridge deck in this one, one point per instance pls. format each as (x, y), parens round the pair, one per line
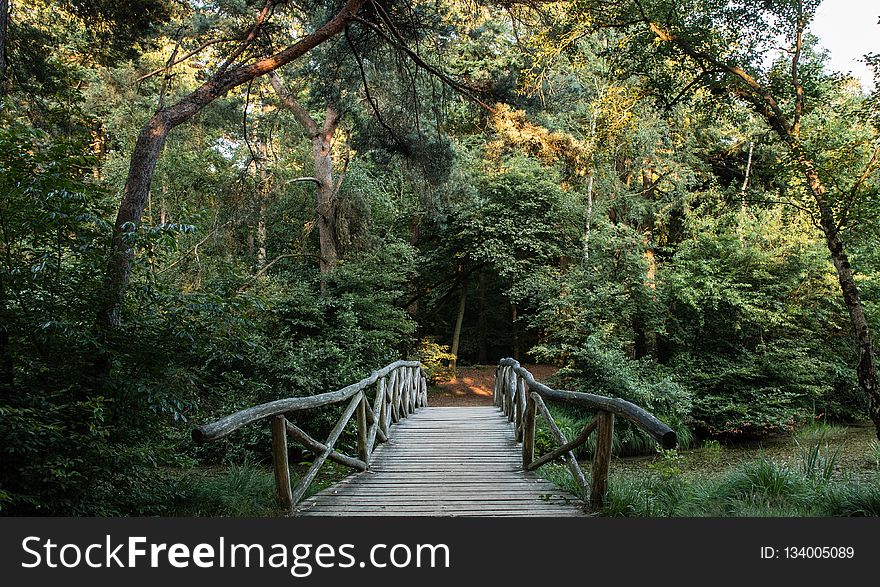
(445, 462)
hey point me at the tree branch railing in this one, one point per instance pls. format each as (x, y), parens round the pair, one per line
(522, 398)
(401, 388)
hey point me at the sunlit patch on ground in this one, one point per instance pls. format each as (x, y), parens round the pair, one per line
(473, 386)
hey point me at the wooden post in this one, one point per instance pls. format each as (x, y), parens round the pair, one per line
(393, 391)
(401, 393)
(520, 406)
(363, 452)
(383, 407)
(279, 461)
(528, 448)
(417, 388)
(410, 391)
(601, 458)
(511, 397)
(503, 393)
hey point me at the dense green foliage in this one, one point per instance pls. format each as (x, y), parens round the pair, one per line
(656, 245)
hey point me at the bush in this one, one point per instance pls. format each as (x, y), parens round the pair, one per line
(595, 368)
(436, 360)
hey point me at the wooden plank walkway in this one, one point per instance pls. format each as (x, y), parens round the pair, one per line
(453, 461)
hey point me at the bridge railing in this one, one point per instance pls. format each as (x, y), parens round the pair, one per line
(401, 388)
(522, 398)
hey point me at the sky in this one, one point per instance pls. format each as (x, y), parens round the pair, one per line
(849, 29)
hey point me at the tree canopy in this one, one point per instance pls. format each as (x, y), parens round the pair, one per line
(211, 204)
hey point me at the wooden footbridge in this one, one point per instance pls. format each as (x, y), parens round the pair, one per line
(415, 460)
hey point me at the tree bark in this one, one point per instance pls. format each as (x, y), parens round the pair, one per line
(4, 27)
(588, 217)
(261, 236)
(591, 179)
(742, 194)
(326, 192)
(456, 333)
(326, 187)
(866, 369)
(513, 317)
(152, 137)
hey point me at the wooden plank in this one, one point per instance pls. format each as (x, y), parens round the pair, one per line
(444, 462)
(464, 492)
(464, 509)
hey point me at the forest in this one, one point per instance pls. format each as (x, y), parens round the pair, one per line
(206, 205)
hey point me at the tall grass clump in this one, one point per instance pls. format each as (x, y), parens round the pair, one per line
(244, 490)
(874, 453)
(559, 475)
(819, 431)
(818, 463)
(850, 499)
(763, 478)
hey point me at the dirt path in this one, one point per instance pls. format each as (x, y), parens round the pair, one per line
(473, 386)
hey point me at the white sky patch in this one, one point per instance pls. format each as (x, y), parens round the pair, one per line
(227, 147)
(849, 29)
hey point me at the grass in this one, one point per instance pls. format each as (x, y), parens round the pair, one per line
(874, 453)
(241, 491)
(824, 471)
(245, 490)
(761, 488)
(820, 431)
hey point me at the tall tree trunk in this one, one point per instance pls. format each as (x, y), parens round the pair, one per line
(326, 188)
(513, 317)
(261, 233)
(4, 27)
(588, 217)
(591, 180)
(263, 185)
(742, 195)
(456, 333)
(866, 369)
(134, 200)
(152, 137)
(326, 193)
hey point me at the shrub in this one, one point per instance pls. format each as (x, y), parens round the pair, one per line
(436, 360)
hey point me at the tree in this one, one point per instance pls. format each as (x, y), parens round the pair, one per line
(326, 188)
(4, 26)
(723, 47)
(154, 132)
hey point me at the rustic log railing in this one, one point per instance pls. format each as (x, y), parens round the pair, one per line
(401, 388)
(521, 398)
